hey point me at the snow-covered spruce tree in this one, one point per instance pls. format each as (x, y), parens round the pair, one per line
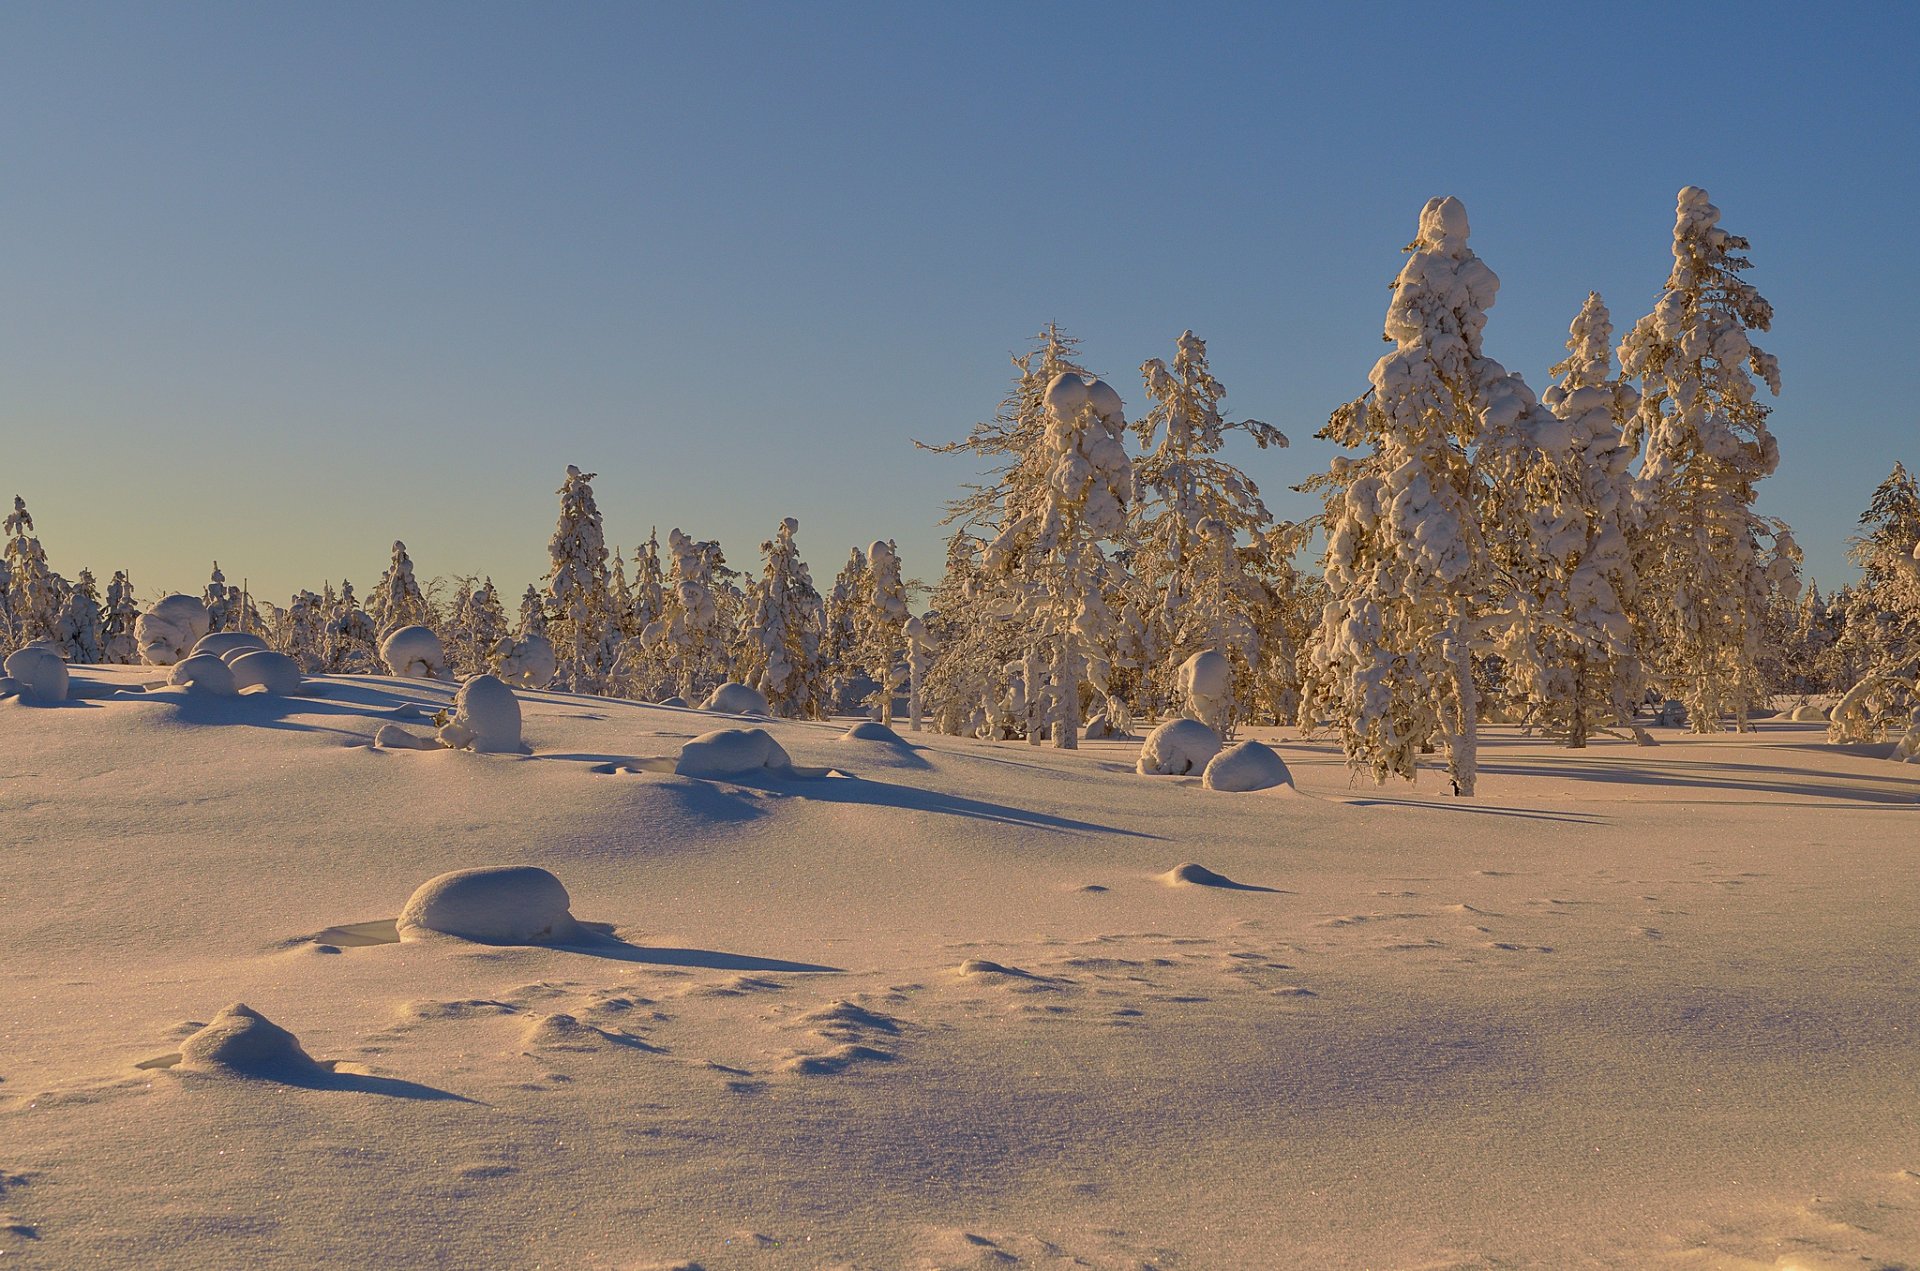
(300, 631)
(580, 619)
(880, 620)
(122, 612)
(222, 602)
(987, 615)
(82, 627)
(33, 592)
(533, 612)
(350, 635)
(1194, 527)
(649, 585)
(1706, 561)
(1567, 643)
(840, 645)
(476, 624)
(783, 635)
(687, 641)
(1881, 635)
(1408, 570)
(396, 600)
(1056, 533)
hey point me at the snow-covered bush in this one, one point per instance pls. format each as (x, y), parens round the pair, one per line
(39, 672)
(486, 718)
(203, 673)
(1249, 765)
(166, 632)
(415, 653)
(1178, 747)
(227, 645)
(266, 669)
(732, 752)
(493, 904)
(526, 662)
(1205, 685)
(735, 699)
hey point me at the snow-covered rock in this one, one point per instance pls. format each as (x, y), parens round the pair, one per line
(1206, 682)
(1178, 747)
(1249, 765)
(871, 730)
(264, 668)
(736, 699)
(204, 673)
(39, 672)
(228, 645)
(528, 662)
(166, 632)
(732, 752)
(414, 652)
(241, 1041)
(495, 904)
(486, 718)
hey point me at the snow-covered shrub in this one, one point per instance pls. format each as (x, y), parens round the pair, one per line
(227, 645)
(735, 699)
(415, 653)
(203, 673)
(167, 631)
(494, 904)
(1808, 713)
(732, 752)
(1249, 765)
(1205, 683)
(1178, 747)
(396, 600)
(266, 669)
(526, 662)
(39, 672)
(486, 718)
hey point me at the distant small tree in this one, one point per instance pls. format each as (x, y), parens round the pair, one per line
(82, 628)
(397, 601)
(579, 603)
(784, 634)
(33, 596)
(122, 612)
(879, 619)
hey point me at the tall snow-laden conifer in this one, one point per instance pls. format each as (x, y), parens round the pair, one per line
(687, 641)
(32, 590)
(1408, 569)
(783, 635)
(880, 619)
(396, 601)
(82, 627)
(122, 612)
(1707, 562)
(580, 620)
(841, 643)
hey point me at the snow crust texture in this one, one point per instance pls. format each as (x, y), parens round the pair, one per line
(1178, 747)
(491, 904)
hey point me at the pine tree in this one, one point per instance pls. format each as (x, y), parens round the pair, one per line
(689, 642)
(1192, 568)
(122, 611)
(879, 626)
(1881, 634)
(533, 612)
(1408, 568)
(841, 643)
(784, 634)
(396, 601)
(581, 620)
(32, 590)
(1707, 562)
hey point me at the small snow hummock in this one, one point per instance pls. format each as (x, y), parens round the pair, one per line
(414, 652)
(203, 673)
(274, 672)
(166, 632)
(38, 673)
(527, 662)
(871, 730)
(736, 699)
(228, 645)
(1249, 765)
(243, 1042)
(486, 718)
(1808, 713)
(732, 752)
(1178, 747)
(394, 737)
(493, 904)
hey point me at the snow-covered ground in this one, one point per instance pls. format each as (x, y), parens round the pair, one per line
(954, 1004)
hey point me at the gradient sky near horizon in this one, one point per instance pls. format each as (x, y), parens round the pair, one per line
(280, 284)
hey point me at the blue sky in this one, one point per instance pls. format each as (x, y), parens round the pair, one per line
(280, 284)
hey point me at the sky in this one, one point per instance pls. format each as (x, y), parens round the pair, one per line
(280, 284)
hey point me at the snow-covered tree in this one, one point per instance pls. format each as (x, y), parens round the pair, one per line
(396, 600)
(879, 625)
(122, 612)
(222, 602)
(82, 627)
(476, 624)
(581, 622)
(1408, 568)
(1197, 530)
(783, 636)
(687, 641)
(350, 635)
(32, 590)
(1881, 616)
(533, 612)
(1707, 561)
(840, 644)
(1566, 642)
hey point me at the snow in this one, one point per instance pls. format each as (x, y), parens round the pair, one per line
(227, 645)
(204, 673)
(266, 669)
(486, 718)
(414, 652)
(242, 1042)
(732, 752)
(1177, 747)
(494, 904)
(168, 631)
(39, 672)
(1205, 681)
(527, 662)
(736, 699)
(1246, 765)
(1695, 959)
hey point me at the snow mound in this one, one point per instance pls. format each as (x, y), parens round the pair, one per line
(1105, 726)
(263, 668)
(872, 730)
(528, 662)
(1070, 393)
(732, 752)
(1250, 765)
(168, 630)
(394, 737)
(1178, 747)
(736, 699)
(204, 673)
(1206, 682)
(493, 904)
(228, 645)
(1808, 713)
(39, 672)
(679, 702)
(1194, 874)
(414, 652)
(486, 718)
(243, 1042)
